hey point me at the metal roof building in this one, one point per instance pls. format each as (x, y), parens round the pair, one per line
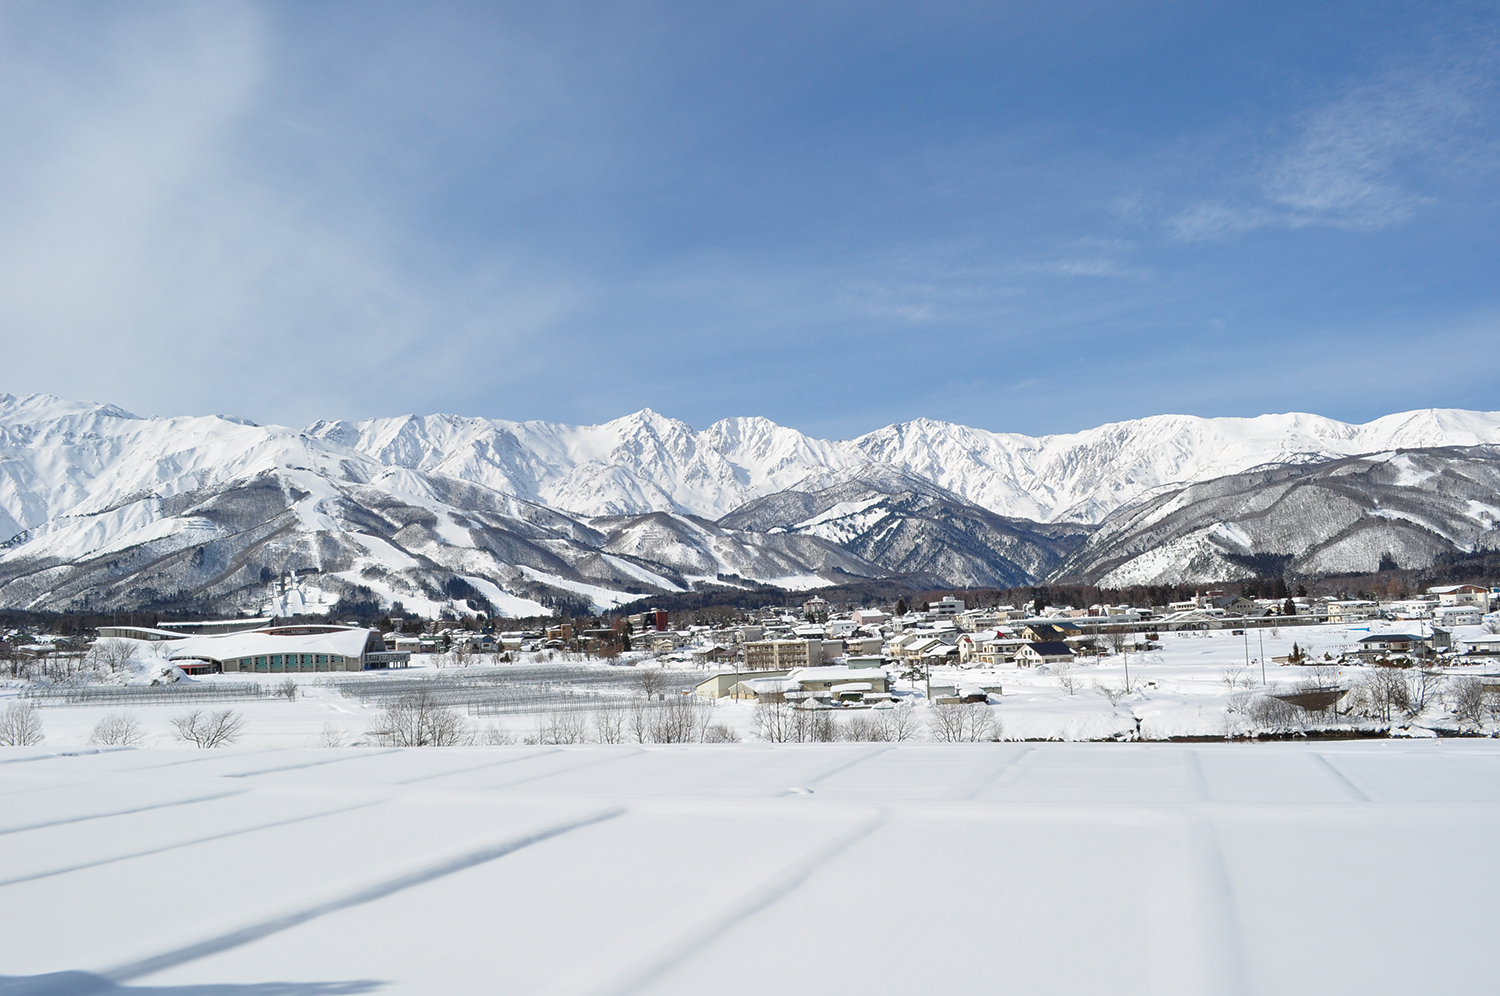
(287, 649)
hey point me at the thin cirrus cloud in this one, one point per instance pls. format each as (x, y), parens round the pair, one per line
(1365, 160)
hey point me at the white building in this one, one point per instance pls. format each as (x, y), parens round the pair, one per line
(1354, 610)
(1462, 594)
(946, 608)
(287, 649)
(1449, 616)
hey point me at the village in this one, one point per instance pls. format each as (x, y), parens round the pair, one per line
(1216, 666)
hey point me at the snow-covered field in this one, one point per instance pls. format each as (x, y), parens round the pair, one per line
(753, 868)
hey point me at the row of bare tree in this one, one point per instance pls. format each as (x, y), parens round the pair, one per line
(784, 722)
(21, 726)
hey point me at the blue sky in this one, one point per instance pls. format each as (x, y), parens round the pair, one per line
(1024, 217)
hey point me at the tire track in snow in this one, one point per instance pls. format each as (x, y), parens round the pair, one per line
(1223, 952)
(759, 897)
(359, 897)
(181, 844)
(567, 771)
(1197, 780)
(310, 764)
(481, 767)
(120, 812)
(1011, 766)
(53, 755)
(1342, 780)
(865, 755)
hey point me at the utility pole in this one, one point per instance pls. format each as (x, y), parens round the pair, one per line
(1260, 634)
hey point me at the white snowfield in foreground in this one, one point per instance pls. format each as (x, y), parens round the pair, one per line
(1348, 867)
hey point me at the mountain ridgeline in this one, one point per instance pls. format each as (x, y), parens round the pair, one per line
(101, 509)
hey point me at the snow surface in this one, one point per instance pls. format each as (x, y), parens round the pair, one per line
(751, 868)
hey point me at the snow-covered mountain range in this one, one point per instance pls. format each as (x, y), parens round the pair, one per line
(646, 462)
(101, 507)
(1395, 509)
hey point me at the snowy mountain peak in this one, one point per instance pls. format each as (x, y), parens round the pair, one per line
(86, 487)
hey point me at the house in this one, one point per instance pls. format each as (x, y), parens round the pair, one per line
(1049, 632)
(988, 647)
(1449, 616)
(1390, 643)
(912, 644)
(1477, 644)
(1463, 594)
(1236, 605)
(864, 646)
(840, 682)
(765, 689)
(1000, 650)
(1053, 652)
(832, 682)
(1354, 610)
(976, 620)
(720, 685)
(871, 617)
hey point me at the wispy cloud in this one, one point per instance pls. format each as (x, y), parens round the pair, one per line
(1364, 159)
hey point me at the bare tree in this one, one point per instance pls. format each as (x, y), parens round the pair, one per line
(609, 723)
(1423, 685)
(773, 720)
(1383, 691)
(900, 722)
(495, 735)
(720, 733)
(1117, 638)
(118, 729)
(651, 681)
(112, 656)
(564, 726)
(1468, 697)
(418, 719)
(966, 722)
(20, 726)
(1235, 676)
(1270, 713)
(208, 730)
(331, 736)
(680, 720)
(640, 721)
(863, 727)
(812, 726)
(1065, 677)
(1112, 692)
(288, 689)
